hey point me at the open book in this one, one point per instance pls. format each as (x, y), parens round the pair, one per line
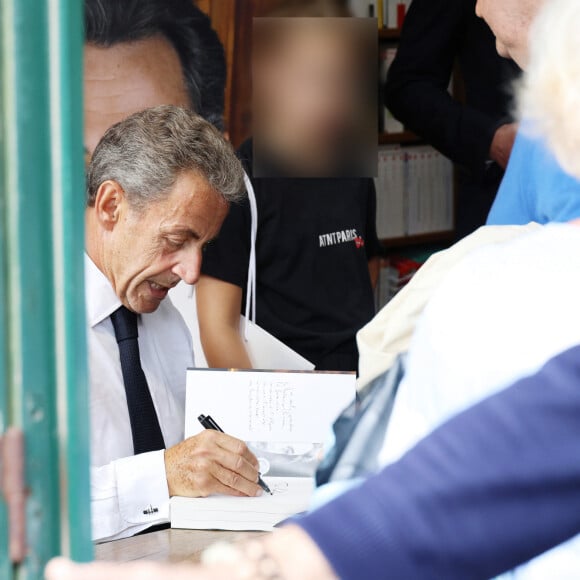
(271, 406)
(284, 417)
(291, 495)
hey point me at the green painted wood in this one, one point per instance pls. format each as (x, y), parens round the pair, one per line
(42, 342)
(32, 380)
(66, 52)
(5, 568)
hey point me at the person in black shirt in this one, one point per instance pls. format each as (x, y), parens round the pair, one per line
(477, 135)
(315, 248)
(316, 241)
(314, 97)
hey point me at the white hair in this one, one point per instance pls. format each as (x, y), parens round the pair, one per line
(549, 93)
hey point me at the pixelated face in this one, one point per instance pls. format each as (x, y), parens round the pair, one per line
(310, 92)
(129, 77)
(148, 251)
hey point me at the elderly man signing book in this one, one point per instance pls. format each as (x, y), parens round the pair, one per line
(159, 186)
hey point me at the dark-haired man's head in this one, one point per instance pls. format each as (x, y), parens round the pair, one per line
(144, 53)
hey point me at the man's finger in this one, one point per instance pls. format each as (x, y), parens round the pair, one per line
(237, 464)
(234, 481)
(217, 487)
(236, 446)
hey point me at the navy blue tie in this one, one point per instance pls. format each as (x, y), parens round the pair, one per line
(145, 427)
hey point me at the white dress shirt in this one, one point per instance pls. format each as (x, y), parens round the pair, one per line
(500, 315)
(129, 492)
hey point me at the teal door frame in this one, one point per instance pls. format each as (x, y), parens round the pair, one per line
(43, 368)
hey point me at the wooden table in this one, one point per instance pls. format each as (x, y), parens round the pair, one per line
(166, 545)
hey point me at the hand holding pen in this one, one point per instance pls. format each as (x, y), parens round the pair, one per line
(208, 423)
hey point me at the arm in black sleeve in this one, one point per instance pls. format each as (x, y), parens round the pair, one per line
(490, 489)
(417, 86)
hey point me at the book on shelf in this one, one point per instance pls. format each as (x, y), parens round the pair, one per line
(395, 12)
(394, 275)
(414, 192)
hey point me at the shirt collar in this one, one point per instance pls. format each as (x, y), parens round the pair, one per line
(101, 300)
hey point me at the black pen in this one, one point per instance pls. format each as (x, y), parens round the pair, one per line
(208, 423)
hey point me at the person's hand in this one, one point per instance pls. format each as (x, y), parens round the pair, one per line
(211, 462)
(502, 144)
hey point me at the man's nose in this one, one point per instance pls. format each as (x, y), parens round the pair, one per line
(189, 266)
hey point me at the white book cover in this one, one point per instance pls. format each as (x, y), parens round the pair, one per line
(392, 13)
(449, 185)
(411, 192)
(428, 185)
(398, 225)
(439, 196)
(382, 195)
(391, 220)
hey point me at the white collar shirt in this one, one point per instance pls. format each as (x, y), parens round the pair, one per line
(129, 492)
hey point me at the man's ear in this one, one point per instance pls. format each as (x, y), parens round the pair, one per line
(109, 203)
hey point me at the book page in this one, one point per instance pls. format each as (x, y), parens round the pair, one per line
(291, 495)
(268, 406)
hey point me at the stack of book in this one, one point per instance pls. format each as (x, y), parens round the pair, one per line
(414, 192)
(389, 13)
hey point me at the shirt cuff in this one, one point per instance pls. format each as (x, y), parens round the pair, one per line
(143, 494)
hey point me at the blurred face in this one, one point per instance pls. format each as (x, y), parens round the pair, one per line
(510, 21)
(127, 78)
(307, 94)
(313, 87)
(146, 252)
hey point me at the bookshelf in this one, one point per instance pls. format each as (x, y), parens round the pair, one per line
(406, 137)
(418, 240)
(390, 34)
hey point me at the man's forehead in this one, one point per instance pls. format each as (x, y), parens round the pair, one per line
(129, 77)
(191, 196)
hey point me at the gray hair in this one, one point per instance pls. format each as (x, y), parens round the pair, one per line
(146, 152)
